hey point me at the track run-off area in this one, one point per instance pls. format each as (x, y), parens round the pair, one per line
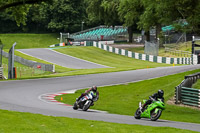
(25, 95)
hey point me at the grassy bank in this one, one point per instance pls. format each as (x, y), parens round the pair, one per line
(196, 85)
(35, 123)
(29, 40)
(109, 59)
(124, 99)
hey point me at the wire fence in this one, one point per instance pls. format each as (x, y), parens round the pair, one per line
(178, 52)
(151, 48)
(23, 72)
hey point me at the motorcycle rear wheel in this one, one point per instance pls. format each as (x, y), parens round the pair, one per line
(155, 116)
(137, 114)
(75, 107)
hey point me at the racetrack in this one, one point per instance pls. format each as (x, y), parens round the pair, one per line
(60, 59)
(23, 95)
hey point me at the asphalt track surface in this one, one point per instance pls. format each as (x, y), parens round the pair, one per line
(60, 59)
(25, 95)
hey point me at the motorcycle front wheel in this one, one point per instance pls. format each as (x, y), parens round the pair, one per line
(137, 114)
(155, 116)
(87, 105)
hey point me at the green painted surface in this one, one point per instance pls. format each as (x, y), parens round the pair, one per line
(133, 55)
(178, 60)
(147, 57)
(171, 60)
(107, 48)
(120, 51)
(113, 49)
(126, 52)
(155, 58)
(140, 56)
(191, 98)
(163, 59)
(190, 89)
(189, 95)
(102, 46)
(188, 103)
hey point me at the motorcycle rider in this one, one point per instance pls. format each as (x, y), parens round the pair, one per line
(94, 89)
(155, 96)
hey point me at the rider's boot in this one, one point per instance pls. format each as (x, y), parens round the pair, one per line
(92, 104)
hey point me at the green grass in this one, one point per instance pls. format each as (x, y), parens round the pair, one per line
(109, 59)
(16, 122)
(196, 85)
(123, 99)
(28, 40)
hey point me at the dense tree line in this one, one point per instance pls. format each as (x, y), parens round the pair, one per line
(54, 16)
(67, 15)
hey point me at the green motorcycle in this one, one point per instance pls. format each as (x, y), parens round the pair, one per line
(152, 111)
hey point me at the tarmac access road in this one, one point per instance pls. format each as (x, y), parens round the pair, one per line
(60, 59)
(25, 95)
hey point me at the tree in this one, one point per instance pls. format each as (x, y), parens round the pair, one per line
(103, 11)
(95, 11)
(160, 12)
(17, 8)
(129, 12)
(111, 16)
(61, 15)
(5, 4)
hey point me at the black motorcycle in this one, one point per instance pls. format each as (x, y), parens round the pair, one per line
(86, 101)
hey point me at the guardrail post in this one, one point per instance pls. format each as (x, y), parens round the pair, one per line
(11, 62)
(176, 95)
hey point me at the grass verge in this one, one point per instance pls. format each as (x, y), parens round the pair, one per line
(35, 123)
(28, 40)
(124, 99)
(196, 85)
(108, 59)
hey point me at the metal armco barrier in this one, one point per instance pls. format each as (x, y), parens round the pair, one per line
(185, 94)
(44, 67)
(190, 96)
(1, 73)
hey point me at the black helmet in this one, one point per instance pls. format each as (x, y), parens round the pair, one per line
(94, 88)
(160, 93)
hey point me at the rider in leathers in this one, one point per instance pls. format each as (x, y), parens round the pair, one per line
(155, 96)
(94, 89)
